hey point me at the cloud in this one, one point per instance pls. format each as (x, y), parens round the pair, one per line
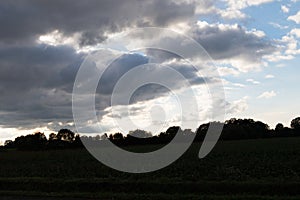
(36, 84)
(158, 114)
(233, 47)
(285, 9)
(231, 13)
(37, 81)
(23, 21)
(233, 44)
(286, 48)
(234, 8)
(43, 43)
(295, 18)
(276, 25)
(250, 80)
(295, 32)
(224, 71)
(267, 95)
(39, 90)
(237, 106)
(206, 7)
(291, 42)
(269, 76)
(154, 115)
(246, 3)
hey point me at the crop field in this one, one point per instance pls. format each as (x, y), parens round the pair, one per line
(249, 169)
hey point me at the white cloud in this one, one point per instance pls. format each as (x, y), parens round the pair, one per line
(238, 85)
(287, 47)
(295, 32)
(232, 14)
(235, 7)
(284, 9)
(276, 25)
(258, 33)
(269, 76)
(291, 44)
(250, 80)
(224, 71)
(158, 114)
(241, 4)
(278, 56)
(238, 106)
(295, 18)
(267, 95)
(12, 133)
(57, 38)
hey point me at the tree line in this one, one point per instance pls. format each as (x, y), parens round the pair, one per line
(233, 129)
(65, 138)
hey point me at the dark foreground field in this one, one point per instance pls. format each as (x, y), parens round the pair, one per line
(253, 169)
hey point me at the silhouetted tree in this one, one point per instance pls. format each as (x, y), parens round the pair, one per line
(165, 137)
(77, 141)
(9, 144)
(295, 123)
(111, 137)
(52, 137)
(118, 136)
(35, 141)
(66, 135)
(235, 129)
(201, 132)
(172, 131)
(279, 127)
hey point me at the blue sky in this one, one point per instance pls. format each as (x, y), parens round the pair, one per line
(254, 44)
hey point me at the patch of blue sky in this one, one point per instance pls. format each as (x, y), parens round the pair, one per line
(268, 18)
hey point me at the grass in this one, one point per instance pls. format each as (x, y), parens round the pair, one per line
(251, 169)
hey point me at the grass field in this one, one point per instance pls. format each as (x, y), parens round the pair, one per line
(252, 169)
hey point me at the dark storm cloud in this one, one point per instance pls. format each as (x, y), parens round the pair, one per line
(27, 68)
(22, 21)
(117, 69)
(245, 49)
(36, 84)
(148, 92)
(225, 41)
(128, 62)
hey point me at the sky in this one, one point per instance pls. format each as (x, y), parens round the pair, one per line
(253, 43)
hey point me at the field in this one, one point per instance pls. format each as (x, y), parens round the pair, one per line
(250, 169)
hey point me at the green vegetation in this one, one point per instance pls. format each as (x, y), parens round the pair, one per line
(248, 169)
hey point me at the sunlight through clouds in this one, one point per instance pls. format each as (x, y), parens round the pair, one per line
(255, 45)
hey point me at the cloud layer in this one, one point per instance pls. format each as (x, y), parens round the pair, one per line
(43, 44)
